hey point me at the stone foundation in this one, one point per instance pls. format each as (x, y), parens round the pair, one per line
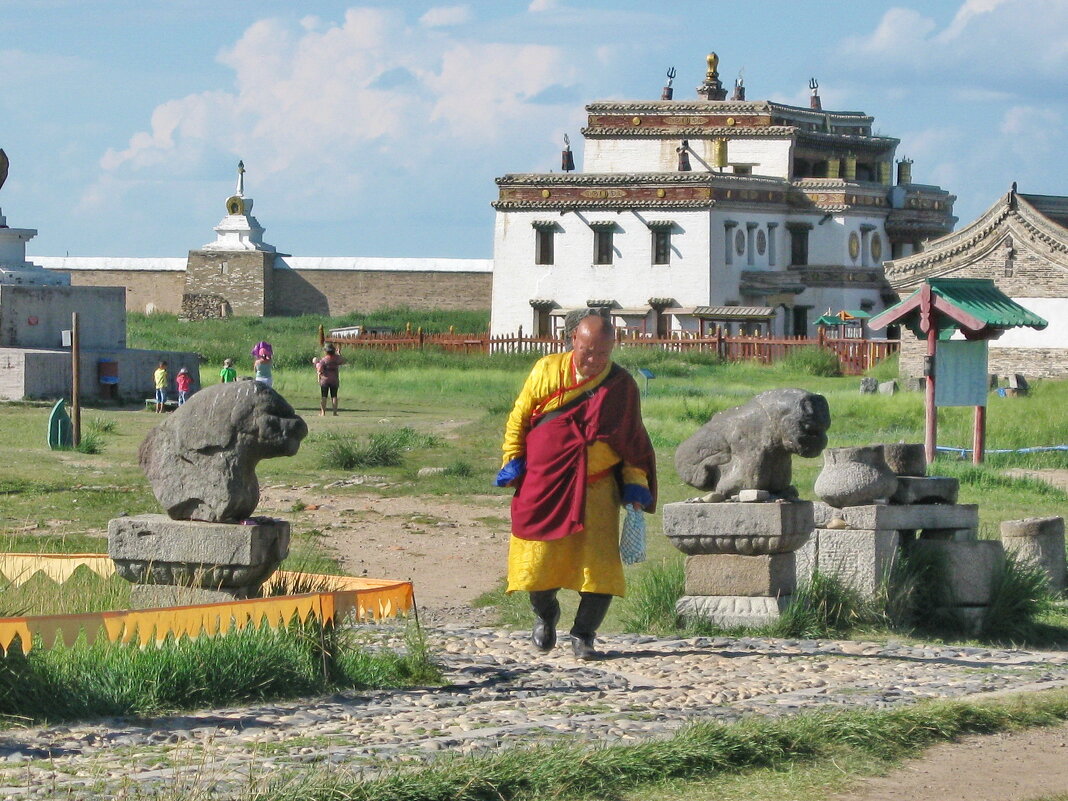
(192, 561)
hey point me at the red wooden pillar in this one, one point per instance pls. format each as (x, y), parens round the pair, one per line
(979, 435)
(927, 321)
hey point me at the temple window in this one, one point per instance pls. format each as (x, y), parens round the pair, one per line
(799, 243)
(603, 242)
(544, 242)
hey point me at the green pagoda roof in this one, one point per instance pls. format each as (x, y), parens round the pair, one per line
(972, 305)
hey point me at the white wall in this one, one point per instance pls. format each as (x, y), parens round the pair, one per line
(1055, 312)
(769, 157)
(574, 279)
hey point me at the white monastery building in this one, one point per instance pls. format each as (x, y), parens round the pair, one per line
(753, 216)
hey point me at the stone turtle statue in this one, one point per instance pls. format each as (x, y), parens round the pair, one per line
(750, 446)
(201, 461)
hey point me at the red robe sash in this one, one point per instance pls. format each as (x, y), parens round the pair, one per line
(550, 498)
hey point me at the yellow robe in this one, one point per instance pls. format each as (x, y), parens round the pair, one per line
(588, 560)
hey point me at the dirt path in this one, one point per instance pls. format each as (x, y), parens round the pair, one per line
(999, 767)
(452, 552)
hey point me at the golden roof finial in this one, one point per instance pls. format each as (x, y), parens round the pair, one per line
(713, 64)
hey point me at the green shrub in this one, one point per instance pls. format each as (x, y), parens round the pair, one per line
(459, 469)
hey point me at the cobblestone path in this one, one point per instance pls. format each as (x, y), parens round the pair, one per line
(500, 692)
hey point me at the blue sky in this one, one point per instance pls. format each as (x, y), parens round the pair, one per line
(377, 129)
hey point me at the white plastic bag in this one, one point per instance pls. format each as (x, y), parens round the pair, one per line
(632, 540)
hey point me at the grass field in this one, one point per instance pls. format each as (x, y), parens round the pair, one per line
(62, 500)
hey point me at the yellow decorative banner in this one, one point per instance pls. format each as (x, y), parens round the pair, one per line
(371, 599)
(18, 568)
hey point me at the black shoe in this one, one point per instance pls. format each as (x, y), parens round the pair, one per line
(582, 648)
(591, 611)
(547, 610)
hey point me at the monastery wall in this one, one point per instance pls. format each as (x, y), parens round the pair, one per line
(337, 292)
(296, 285)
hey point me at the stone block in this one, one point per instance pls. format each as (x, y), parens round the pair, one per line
(913, 517)
(735, 574)
(869, 386)
(905, 458)
(730, 611)
(747, 528)
(933, 489)
(950, 534)
(859, 559)
(805, 558)
(1039, 540)
(887, 387)
(155, 596)
(970, 568)
(753, 496)
(153, 549)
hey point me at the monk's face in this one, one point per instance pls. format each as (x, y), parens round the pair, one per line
(592, 347)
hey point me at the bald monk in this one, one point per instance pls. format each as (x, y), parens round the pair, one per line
(576, 451)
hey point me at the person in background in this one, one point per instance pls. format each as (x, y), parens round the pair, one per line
(228, 373)
(263, 353)
(184, 382)
(160, 379)
(575, 449)
(327, 370)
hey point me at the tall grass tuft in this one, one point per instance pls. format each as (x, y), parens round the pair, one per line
(1021, 595)
(649, 607)
(255, 664)
(90, 442)
(810, 361)
(380, 449)
(102, 425)
(823, 606)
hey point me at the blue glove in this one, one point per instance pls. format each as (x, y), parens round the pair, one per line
(636, 493)
(511, 471)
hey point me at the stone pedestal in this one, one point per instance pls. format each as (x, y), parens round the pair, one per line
(771, 575)
(860, 544)
(188, 562)
(971, 568)
(859, 558)
(740, 569)
(1039, 540)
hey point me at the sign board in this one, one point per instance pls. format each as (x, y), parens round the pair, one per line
(961, 373)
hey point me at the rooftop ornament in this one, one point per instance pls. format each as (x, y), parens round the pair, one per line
(958, 317)
(567, 158)
(668, 93)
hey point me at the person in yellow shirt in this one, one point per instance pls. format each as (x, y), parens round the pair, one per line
(160, 379)
(575, 449)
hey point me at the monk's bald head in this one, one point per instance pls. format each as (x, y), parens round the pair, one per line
(592, 342)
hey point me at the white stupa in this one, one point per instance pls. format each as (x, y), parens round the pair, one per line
(239, 230)
(14, 269)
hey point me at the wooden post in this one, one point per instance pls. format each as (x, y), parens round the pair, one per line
(979, 435)
(75, 382)
(322, 336)
(930, 432)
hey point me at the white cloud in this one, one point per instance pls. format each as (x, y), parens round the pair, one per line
(307, 108)
(1031, 131)
(538, 6)
(444, 16)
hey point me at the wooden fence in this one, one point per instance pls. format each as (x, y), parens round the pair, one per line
(854, 355)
